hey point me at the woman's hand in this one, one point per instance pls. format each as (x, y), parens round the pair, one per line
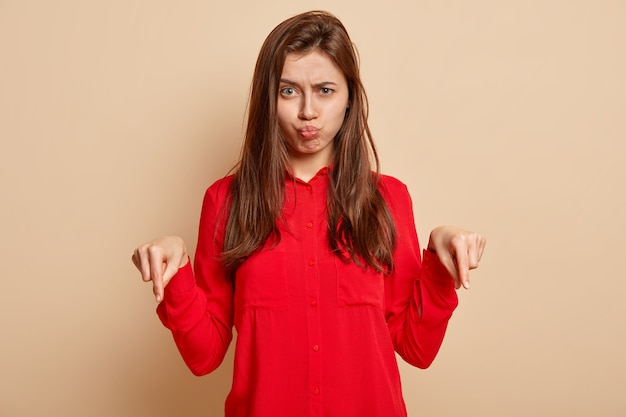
(458, 250)
(159, 260)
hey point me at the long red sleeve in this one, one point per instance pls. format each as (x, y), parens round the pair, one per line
(199, 311)
(419, 297)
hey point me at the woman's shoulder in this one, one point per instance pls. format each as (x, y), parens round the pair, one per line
(396, 194)
(218, 191)
(391, 185)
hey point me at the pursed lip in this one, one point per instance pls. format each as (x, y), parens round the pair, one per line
(309, 132)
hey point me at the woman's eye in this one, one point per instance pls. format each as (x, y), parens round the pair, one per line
(287, 91)
(326, 90)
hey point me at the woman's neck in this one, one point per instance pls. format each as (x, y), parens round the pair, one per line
(305, 168)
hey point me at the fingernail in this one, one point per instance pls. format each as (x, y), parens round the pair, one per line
(158, 298)
(466, 284)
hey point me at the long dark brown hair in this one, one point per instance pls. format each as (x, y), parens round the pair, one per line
(360, 227)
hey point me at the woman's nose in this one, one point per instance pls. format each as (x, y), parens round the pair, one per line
(308, 110)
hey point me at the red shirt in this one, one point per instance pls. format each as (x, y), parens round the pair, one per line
(315, 336)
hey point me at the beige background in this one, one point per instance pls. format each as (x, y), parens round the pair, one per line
(507, 117)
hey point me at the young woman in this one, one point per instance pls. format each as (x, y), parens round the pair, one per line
(308, 251)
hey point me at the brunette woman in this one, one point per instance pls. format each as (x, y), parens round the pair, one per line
(308, 251)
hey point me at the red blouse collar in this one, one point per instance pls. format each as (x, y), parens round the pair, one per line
(323, 172)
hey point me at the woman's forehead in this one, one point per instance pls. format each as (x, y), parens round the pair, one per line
(311, 64)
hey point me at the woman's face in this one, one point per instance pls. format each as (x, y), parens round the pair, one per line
(311, 106)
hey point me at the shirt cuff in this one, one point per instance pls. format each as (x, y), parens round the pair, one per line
(435, 271)
(182, 282)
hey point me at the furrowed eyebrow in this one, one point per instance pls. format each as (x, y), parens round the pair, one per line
(326, 84)
(318, 85)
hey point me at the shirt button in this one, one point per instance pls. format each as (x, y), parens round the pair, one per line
(309, 225)
(314, 303)
(316, 348)
(311, 262)
(316, 391)
(309, 188)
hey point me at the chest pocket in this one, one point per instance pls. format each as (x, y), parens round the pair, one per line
(261, 281)
(357, 286)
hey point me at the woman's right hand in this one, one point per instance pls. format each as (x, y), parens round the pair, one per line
(159, 260)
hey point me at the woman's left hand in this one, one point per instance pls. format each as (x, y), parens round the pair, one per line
(458, 250)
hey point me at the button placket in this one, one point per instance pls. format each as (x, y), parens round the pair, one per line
(312, 202)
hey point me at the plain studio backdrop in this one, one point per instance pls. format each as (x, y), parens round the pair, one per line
(505, 117)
